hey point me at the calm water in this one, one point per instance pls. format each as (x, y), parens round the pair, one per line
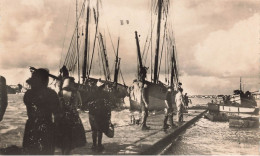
(213, 138)
(205, 137)
(12, 126)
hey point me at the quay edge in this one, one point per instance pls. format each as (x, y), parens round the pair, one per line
(161, 146)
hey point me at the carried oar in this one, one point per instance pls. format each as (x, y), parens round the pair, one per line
(66, 82)
(32, 69)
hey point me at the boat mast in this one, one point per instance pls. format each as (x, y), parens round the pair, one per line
(96, 16)
(240, 84)
(77, 39)
(117, 64)
(172, 67)
(157, 41)
(175, 67)
(151, 42)
(84, 70)
(104, 58)
(140, 67)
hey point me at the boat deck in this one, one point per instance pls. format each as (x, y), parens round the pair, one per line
(130, 139)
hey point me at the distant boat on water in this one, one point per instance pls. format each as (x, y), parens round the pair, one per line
(236, 108)
(240, 102)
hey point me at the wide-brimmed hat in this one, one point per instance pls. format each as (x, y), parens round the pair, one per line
(41, 73)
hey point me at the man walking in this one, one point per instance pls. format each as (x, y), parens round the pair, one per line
(144, 106)
(179, 104)
(169, 109)
(186, 100)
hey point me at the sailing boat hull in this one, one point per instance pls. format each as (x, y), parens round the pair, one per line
(213, 107)
(117, 94)
(156, 92)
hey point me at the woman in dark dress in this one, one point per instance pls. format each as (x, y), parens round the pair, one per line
(72, 133)
(42, 103)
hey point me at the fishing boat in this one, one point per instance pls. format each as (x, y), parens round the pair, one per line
(87, 53)
(88, 47)
(235, 108)
(165, 48)
(240, 102)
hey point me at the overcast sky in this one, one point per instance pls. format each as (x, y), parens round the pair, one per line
(217, 40)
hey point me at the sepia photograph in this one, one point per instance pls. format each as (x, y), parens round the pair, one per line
(129, 77)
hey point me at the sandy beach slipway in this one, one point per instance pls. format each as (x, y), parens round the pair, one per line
(130, 139)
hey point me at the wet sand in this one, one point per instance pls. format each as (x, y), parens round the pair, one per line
(128, 139)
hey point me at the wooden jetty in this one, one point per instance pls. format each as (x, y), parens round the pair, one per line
(131, 140)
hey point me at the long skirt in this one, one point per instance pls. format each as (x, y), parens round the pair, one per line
(38, 137)
(72, 133)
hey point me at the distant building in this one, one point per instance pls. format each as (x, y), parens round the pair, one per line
(256, 95)
(10, 89)
(13, 89)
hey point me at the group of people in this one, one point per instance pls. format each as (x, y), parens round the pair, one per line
(172, 97)
(53, 119)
